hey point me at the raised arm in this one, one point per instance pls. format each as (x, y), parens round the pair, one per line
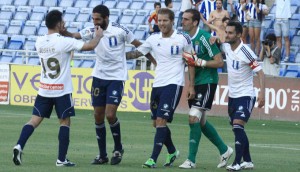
(94, 42)
(75, 35)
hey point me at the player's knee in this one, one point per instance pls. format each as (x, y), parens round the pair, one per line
(195, 115)
(111, 118)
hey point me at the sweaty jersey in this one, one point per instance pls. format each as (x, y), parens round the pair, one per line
(241, 63)
(205, 51)
(168, 55)
(110, 52)
(54, 53)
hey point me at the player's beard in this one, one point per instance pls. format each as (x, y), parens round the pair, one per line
(103, 25)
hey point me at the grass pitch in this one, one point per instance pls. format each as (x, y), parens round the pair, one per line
(274, 145)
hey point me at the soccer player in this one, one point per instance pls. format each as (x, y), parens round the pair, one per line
(109, 74)
(241, 63)
(55, 85)
(207, 61)
(167, 47)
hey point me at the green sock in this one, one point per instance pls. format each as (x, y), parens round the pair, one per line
(210, 132)
(195, 136)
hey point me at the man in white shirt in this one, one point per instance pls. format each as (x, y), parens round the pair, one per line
(241, 63)
(56, 88)
(167, 48)
(282, 25)
(109, 74)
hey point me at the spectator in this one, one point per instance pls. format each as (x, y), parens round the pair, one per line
(270, 55)
(282, 26)
(169, 4)
(256, 11)
(205, 9)
(185, 4)
(153, 16)
(216, 16)
(240, 10)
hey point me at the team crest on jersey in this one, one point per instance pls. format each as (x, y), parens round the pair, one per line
(175, 49)
(166, 106)
(197, 47)
(114, 92)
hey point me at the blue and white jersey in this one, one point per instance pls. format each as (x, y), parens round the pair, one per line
(206, 7)
(240, 12)
(168, 55)
(110, 52)
(252, 10)
(241, 63)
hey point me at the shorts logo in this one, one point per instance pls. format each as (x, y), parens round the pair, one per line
(243, 115)
(116, 101)
(114, 92)
(241, 108)
(166, 106)
(166, 114)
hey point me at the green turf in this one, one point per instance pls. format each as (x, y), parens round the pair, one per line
(274, 146)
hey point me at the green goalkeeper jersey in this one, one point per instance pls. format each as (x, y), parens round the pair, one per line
(205, 51)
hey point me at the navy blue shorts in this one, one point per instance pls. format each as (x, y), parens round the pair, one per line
(240, 108)
(106, 92)
(164, 101)
(64, 106)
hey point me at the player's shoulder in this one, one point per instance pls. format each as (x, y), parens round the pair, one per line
(184, 35)
(120, 27)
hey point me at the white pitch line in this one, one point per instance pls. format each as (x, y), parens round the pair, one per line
(274, 147)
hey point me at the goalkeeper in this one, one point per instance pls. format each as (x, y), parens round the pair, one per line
(206, 61)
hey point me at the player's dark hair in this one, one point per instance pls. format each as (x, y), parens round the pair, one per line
(166, 11)
(220, 0)
(195, 13)
(167, 2)
(237, 26)
(52, 18)
(102, 10)
(225, 19)
(157, 4)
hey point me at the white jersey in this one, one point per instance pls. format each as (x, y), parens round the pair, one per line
(54, 52)
(241, 63)
(110, 52)
(283, 9)
(168, 55)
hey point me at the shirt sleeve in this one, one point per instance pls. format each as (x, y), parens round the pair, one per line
(87, 33)
(151, 17)
(188, 43)
(250, 58)
(129, 37)
(70, 44)
(146, 47)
